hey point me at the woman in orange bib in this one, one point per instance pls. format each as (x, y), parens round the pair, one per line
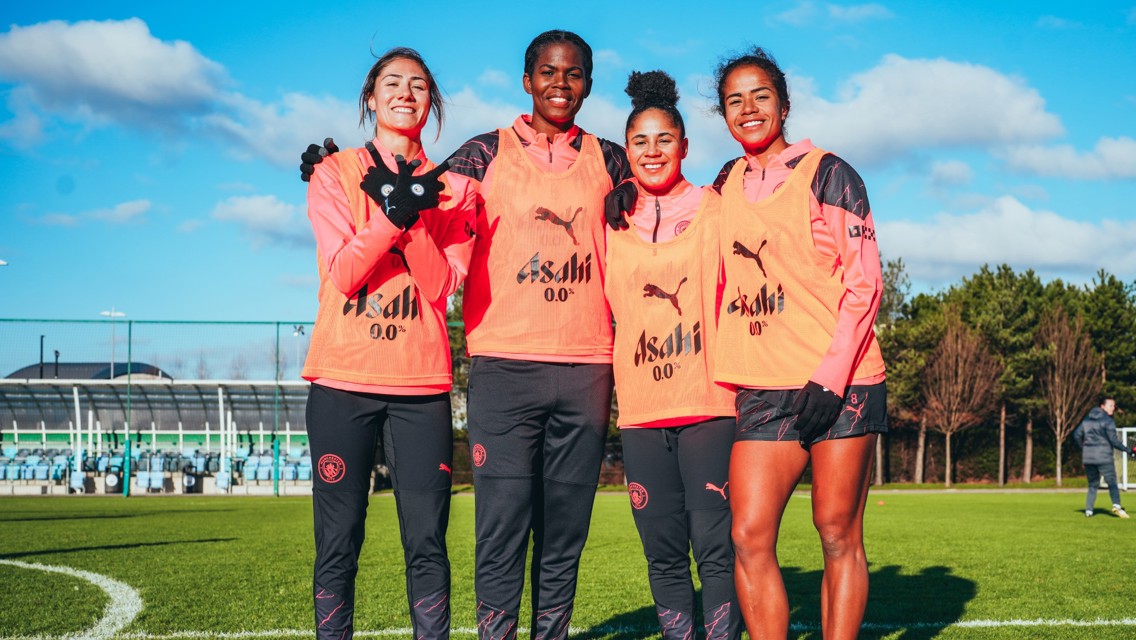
(540, 339)
(391, 247)
(677, 425)
(802, 288)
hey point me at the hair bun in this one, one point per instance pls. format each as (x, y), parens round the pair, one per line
(651, 89)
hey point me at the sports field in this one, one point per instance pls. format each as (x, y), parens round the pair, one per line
(949, 565)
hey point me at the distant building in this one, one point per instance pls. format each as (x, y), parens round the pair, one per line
(88, 371)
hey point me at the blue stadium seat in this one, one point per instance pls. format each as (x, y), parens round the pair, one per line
(288, 473)
(42, 471)
(304, 470)
(264, 472)
(59, 467)
(157, 481)
(142, 480)
(10, 451)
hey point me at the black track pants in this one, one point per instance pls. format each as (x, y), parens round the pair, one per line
(343, 430)
(677, 482)
(536, 433)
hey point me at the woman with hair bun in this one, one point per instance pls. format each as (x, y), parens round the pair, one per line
(676, 424)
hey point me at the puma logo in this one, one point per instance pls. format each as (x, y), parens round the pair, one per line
(442, 466)
(650, 290)
(398, 252)
(722, 490)
(743, 251)
(548, 215)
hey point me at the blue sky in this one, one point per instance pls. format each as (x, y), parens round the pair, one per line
(148, 151)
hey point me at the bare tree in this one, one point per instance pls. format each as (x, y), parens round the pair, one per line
(203, 371)
(1071, 377)
(959, 382)
(238, 369)
(921, 449)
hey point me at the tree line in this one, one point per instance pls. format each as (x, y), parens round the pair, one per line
(1000, 368)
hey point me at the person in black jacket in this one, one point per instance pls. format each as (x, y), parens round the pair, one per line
(1096, 435)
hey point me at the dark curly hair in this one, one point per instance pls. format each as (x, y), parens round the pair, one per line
(556, 36)
(756, 57)
(399, 53)
(653, 90)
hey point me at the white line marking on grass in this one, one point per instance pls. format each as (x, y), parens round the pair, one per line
(469, 631)
(125, 603)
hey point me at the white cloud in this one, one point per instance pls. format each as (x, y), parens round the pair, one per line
(1112, 158)
(189, 226)
(606, 59)
(278, 132)
(602, 117)
(109, 71)
(468, 115)
(903, 107)
(25, 130)
(951, 245)
(122, 213)
(950, 173)
(858, 13)
(800, 15)
(266, 220)
(494, 78)
(59, 220)
(810, 14)
(1053, 22)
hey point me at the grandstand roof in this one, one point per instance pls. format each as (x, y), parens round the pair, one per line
(86, 371)
(162, 401)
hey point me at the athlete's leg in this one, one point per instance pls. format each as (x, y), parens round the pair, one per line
(654, 485)
(765, 465)
(418, 446)
(763, 475)
(508, 406)
(840, 488)
(342, 430)
(573, 450)
(1108, 472)
(1092, 475)
(704, 458)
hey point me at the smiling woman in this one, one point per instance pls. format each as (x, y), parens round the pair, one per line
(537, 325)
(392, 247)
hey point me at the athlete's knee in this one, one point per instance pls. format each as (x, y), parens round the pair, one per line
(753, 535)
(839, 536)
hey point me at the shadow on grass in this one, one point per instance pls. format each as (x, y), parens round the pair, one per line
(113, 516)
(918, 606)
(630, 625)
(109, 547)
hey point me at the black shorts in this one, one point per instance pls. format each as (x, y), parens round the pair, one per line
(767, 414)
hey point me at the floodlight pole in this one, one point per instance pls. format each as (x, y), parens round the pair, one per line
(112, 314)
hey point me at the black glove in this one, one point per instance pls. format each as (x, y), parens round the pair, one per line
(620, 201)
(816, 409)
(315, 155)
(403, 195)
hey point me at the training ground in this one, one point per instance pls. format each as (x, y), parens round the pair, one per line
(957, 564)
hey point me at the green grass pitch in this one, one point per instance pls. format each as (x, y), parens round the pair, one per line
(943, 565)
